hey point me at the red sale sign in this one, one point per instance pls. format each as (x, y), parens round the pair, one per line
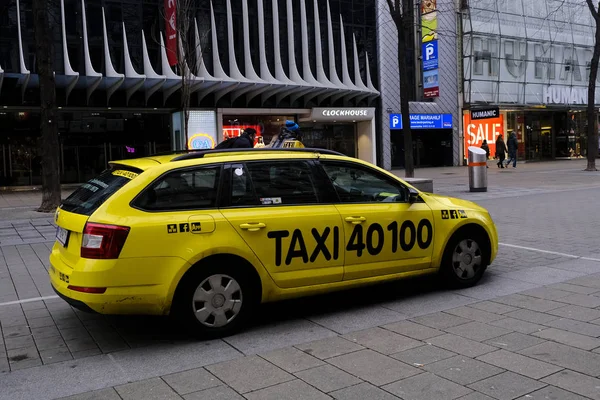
(476, 131)
(171, 31)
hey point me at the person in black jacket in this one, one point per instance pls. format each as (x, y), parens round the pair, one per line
(244, 141)
(500, 151)
(485, 147)
(513, 145)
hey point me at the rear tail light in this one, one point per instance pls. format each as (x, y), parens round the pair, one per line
(94, 290)
(103, 241)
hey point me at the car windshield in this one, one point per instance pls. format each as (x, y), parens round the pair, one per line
(92, 194)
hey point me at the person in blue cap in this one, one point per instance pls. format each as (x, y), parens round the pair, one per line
(290, 131)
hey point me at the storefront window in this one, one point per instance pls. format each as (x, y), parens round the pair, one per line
(266, 126)
(88, 141)
(337, 137)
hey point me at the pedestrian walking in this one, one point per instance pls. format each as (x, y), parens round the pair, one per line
(512, 145)
(485, 147)
(500, 151)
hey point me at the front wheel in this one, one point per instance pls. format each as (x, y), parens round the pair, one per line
(215, 302)
(465, 260)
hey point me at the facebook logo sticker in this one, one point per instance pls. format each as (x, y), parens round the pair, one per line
(430, 55)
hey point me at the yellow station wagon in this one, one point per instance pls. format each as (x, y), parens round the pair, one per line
(207, 236)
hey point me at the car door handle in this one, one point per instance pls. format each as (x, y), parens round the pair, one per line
(355, 220)
(253, 227)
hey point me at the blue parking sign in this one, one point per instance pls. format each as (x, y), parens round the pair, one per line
(430, 55)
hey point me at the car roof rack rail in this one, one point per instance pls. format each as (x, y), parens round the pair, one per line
(201, 153)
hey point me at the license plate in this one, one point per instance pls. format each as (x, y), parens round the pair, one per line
(62, 236)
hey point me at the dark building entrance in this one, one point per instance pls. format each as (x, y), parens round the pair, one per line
(431, 148)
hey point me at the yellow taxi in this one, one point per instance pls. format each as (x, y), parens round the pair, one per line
(209, 235)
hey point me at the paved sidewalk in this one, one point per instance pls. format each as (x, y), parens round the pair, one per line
(529, 330)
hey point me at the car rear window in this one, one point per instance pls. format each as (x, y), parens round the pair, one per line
(92, 194)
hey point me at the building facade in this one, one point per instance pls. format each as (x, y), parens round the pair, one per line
(246, 63)
(528, 63)
(435, 119)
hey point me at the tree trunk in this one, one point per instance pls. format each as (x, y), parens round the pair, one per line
(405, 90)
(592, 134)
(44, 52)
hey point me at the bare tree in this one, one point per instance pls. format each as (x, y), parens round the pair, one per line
(189, 52)
(44, 53)
(402, 14)
(592, 133)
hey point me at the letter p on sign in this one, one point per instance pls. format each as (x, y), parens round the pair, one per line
(429, 50)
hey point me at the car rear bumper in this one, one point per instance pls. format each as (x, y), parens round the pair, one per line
(125, 292)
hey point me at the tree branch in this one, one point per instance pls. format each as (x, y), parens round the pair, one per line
(593, 10)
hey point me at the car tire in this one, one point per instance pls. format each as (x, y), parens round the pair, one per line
(465, 259)
(215, 301)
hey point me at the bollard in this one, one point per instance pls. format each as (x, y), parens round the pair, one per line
(477, 164)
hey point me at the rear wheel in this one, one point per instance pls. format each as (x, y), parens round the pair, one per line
(216, 301)
(465, 259)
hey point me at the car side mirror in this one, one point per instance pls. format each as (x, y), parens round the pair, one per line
(413, 195)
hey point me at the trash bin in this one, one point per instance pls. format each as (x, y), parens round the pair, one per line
(477, 164)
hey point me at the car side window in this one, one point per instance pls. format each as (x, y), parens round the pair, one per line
(272, 183)
(187, 189)
(355, 184)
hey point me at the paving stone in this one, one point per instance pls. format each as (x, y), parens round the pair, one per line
(18, 342)
(574, 288)
(15, 331)
(24, 364)
(327, 378)
(520, 364)
(373, 367)
(582, 300)
(37, 313)
(547, 293)
(517, 325)
(531, 316)
(440, 320)
(427, 386)
(463, 370)
(565, 356)
(293, 390)
(40, 322)
(190, 381)
(528, 302)
(476, 396)
(578, 313)
(45, 332)
(329, 347)
(569, 338)
(383, 341)
(249, 373)
(552, 393)
(216, 393)
(55, 355)
(477, 331)
(291, 359)
(104, 394)
(588, 281)
(576, 383)
(86, 353)
(413, 330)
(506, 386)
(474, 314)
(76, 345)
(575, 326)
(460, 345)
(423, 355)
(74, 333)
(514, 341)
(356, 318)
(154, 388)
(362, 391)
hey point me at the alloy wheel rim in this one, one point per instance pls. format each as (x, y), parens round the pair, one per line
(217, 301)
(466, 259)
